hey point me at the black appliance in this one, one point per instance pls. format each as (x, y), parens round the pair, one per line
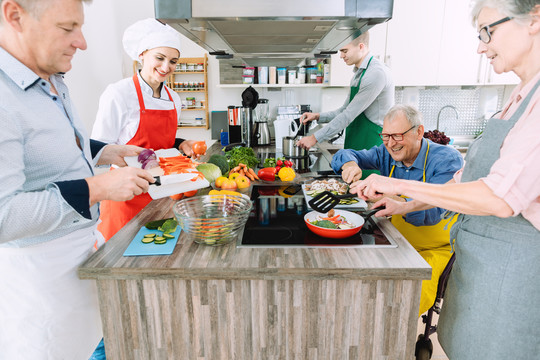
(278, 221)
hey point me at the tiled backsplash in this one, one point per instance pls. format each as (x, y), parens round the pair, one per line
(471, 103)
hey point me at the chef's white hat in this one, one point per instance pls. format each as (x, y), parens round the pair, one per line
(149, 34)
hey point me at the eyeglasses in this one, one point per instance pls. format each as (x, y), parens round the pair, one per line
(484, 35)
(396, 137)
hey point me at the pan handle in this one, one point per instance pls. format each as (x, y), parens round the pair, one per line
(369, 213)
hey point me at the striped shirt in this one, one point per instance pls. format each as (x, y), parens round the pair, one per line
(42, 169)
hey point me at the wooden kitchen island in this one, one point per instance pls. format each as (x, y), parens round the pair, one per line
(241, 303)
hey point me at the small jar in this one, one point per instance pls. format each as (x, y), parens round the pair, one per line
(183, 67)
(190, 67)
(200, 67)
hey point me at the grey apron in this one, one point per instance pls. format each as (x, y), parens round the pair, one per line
(490, 309)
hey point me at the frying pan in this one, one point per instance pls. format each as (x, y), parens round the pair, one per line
(357, 219)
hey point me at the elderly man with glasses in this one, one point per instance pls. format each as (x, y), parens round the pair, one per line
(406, 154)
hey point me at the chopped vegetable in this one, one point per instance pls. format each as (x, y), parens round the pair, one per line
(146, 154)
(150, 164)
(325, 224)
(169, 226)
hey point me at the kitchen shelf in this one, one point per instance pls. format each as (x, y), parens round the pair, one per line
(273, 85)
(194, 109)
(202, 94)
(188, 72)
(189, 91)
(191, 126)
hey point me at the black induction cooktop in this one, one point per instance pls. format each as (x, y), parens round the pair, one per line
(277, 220)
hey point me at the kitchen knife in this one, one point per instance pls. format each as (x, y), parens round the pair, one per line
(173, 179)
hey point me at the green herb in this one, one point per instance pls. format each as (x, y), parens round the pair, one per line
(325, 224)
(168, 226)
(242, 155)
(269, 162)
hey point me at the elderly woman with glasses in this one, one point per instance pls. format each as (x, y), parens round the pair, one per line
(489, 309)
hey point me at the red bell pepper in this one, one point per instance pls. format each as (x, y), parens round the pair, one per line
(267, 174)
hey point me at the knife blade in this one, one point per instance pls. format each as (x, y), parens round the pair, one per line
(173, 179)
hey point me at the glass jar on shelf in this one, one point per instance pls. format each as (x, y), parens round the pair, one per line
(190, 102)
(191, 67)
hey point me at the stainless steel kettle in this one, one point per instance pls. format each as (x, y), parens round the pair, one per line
(261, 133)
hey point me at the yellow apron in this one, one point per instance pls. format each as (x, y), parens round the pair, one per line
(432, 243)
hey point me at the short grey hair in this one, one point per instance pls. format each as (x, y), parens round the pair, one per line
(518, 9)
(34, 7)
(411, 114)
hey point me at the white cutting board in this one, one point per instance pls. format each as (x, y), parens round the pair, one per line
(158, 192)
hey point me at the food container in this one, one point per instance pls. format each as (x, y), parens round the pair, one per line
(292, 76)
(213, 219)
(291, 150)
(311, 75)
(281, 75)
(263, 74)
(190, 102)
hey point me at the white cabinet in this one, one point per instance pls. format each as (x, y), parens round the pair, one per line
(433, 43)
(460, 63)
(413, 41)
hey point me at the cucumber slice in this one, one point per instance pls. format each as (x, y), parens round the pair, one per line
(159, 242)
(147, 240)
(160, 238)
(168, 236)
(149, 235)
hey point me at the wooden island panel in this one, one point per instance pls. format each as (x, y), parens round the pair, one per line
(259, 319)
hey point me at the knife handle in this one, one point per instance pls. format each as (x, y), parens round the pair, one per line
(158, 181)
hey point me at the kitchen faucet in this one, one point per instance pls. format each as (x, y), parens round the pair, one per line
(446, 106)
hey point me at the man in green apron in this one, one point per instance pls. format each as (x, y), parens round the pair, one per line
(371, 96)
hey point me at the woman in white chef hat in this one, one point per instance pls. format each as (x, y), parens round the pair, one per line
(141, 110)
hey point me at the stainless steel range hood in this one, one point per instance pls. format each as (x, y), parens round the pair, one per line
(272, 32)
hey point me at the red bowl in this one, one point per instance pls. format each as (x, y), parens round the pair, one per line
(351, 217)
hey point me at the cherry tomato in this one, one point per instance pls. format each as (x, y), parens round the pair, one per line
(199, 148)
(177, 196)
(279, 162)
(190, 193)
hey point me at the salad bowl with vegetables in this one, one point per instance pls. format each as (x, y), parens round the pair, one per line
(336, 224)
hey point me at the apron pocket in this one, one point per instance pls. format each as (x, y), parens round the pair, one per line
(482, 263)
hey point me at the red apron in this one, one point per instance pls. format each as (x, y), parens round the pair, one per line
(157, 130)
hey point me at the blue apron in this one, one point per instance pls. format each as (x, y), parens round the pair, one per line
(490, 307)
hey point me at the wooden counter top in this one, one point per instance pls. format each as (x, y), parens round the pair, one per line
(193, 261)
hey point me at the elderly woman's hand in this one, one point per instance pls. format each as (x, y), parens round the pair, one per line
(374, 186)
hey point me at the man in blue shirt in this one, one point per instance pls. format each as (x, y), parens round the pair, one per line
(49, 194)
(406, 154)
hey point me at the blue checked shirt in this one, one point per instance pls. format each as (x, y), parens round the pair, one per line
(43, 194)
(442, 162)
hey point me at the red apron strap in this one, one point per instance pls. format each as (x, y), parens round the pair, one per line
(139, 93)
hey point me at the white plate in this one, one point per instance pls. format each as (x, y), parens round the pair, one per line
(361, 204)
